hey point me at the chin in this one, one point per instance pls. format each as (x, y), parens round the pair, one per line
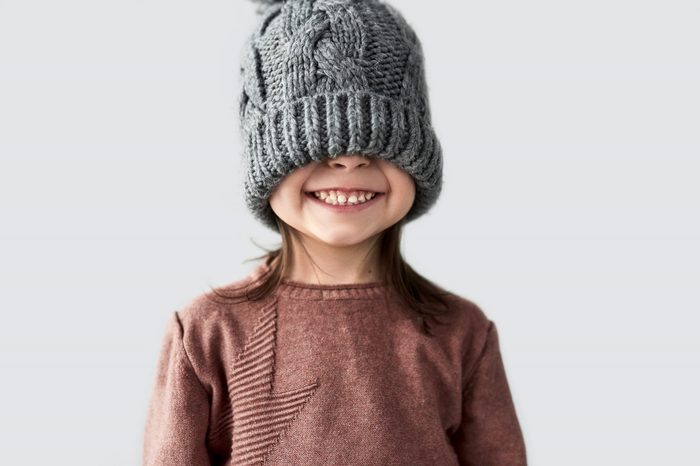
(341, 236)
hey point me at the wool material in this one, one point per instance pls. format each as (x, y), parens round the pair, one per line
(323, 78)
(329, 375)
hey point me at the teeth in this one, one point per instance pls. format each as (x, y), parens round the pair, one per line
(340, 198)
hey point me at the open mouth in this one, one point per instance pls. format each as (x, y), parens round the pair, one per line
(348, 205)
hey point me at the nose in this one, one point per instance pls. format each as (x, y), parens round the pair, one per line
(348, 161)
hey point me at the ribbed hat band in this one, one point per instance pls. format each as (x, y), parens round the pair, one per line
(323, 78)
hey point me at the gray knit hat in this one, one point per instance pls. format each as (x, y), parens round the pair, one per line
(323, 78)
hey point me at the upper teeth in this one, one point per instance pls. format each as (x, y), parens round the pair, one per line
(340, 197)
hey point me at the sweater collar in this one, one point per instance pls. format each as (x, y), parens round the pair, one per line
(314, 291)
(298, 290)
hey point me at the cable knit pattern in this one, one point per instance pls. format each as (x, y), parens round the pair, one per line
(329, 375)
(332, 77)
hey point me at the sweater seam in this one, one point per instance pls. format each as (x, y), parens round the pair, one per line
(187, 356)
(468, 380)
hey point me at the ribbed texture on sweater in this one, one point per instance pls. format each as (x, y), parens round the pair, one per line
(296, 290)
(261, 417)
(329, 375)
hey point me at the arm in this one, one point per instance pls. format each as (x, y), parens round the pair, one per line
(489, 434)
(178, 411)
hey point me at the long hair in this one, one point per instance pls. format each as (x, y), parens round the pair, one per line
(416, 292)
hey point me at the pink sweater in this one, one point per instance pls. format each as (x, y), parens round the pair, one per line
(329, 375)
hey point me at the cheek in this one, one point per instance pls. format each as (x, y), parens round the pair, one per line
(289, 191)
(405, 185)
(290, 200)
(406, 193)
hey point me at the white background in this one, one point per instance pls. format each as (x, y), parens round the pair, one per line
(569, 213)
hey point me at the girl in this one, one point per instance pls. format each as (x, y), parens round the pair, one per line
(333, 350)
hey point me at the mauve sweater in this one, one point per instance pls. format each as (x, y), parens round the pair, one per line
(329, 375)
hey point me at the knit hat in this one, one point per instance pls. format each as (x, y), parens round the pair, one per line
(323, 78)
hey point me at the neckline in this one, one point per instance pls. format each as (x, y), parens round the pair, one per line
(320, 291)
(315, 291)
(328, 286)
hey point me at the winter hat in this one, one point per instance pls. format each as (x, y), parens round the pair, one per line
(323, 78)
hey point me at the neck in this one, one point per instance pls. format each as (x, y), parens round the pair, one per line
(314, 261)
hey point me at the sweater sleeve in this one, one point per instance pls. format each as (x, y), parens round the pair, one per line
(178, 410)
(489, 433)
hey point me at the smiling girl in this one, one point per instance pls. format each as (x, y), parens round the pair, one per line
(333, 350)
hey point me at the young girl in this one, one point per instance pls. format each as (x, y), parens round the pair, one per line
(333, 350)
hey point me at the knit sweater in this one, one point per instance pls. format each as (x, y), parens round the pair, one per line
(329, 375)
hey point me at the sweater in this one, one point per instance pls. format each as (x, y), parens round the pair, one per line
(329, 375)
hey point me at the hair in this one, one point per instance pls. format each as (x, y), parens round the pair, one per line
(420, 295)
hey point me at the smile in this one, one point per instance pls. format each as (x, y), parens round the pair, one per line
(348, 207)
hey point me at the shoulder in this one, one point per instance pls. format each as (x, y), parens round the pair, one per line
(207, 306)
(469, 315)
(215, 322)
(473, 326)
(218, 303)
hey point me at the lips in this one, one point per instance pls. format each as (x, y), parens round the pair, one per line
(345, 190)
(345, 207)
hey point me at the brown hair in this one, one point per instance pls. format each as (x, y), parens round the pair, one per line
(419, 294)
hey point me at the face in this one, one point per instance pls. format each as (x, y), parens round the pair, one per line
(293, 199)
